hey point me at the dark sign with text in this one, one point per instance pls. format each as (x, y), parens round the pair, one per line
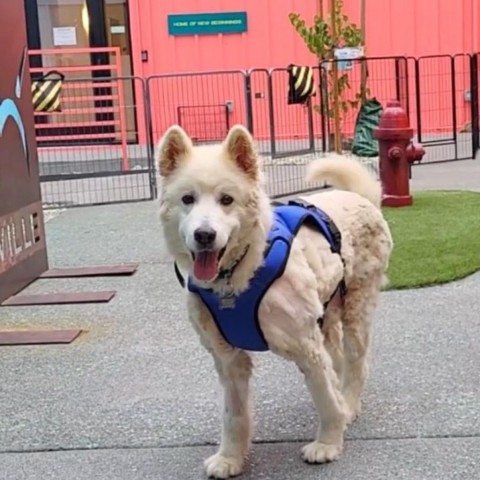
(23, 255)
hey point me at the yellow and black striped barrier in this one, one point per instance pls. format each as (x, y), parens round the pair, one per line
(301, 84)
(46, 92)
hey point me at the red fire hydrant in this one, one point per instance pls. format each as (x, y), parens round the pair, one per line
(397, 153)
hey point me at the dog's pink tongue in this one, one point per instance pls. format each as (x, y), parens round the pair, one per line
(205, 266)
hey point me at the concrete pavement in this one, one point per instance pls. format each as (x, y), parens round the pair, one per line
(136, 397)
(458, 175)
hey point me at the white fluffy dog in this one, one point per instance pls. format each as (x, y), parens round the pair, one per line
(216, 218)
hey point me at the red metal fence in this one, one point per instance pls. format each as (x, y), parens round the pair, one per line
(100, 146)
(91, 100)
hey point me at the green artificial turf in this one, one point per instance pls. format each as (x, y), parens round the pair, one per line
(437, 240)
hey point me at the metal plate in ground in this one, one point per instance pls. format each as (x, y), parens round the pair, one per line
(91, 271)
(59, 298)
(38, 337)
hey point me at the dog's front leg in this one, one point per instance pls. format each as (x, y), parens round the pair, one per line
(234, 371)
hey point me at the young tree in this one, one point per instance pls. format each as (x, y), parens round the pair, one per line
(323, 38)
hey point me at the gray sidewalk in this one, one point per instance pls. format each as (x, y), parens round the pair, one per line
(136, 398)
(459, 175)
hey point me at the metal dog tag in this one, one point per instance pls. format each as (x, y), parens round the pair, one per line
(227, 303)
(227, 300)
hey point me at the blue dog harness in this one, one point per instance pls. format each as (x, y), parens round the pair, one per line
(237, 316)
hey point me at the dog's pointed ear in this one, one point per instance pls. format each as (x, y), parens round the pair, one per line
(173, 148)
(240, 147)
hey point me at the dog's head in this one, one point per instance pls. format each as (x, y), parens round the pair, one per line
(210, 199)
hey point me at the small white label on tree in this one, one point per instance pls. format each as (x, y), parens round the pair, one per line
(64, 36)
(349, 53)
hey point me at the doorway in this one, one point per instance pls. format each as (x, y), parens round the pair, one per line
(67, 24)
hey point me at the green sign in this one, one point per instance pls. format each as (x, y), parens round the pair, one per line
(207, 23)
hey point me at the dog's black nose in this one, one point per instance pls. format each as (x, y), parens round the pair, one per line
(204, 236)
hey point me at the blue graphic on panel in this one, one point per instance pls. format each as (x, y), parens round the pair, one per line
(9, 110)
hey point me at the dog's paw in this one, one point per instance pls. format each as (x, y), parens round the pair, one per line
(317, 452)
(218, 466)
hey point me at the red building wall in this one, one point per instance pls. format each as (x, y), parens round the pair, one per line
(406, 28)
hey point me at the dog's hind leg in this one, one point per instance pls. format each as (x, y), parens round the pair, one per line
(324, 386)
(234, 371)
(360, 303)
(333, 335)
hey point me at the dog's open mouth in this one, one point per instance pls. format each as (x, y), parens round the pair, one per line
(205, 264)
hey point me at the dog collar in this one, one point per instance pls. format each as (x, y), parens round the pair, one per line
(226, 273)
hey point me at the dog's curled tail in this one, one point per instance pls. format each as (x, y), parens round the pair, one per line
(346, 173)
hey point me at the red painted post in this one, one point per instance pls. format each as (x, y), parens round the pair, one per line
(396, 155)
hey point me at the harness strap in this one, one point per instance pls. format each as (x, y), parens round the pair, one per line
(335, 248)
(337, 237)
(342, 291)
(342, 288)
(180, 278)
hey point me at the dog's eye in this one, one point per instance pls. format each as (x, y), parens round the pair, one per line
(188, 199)
(226, 200)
